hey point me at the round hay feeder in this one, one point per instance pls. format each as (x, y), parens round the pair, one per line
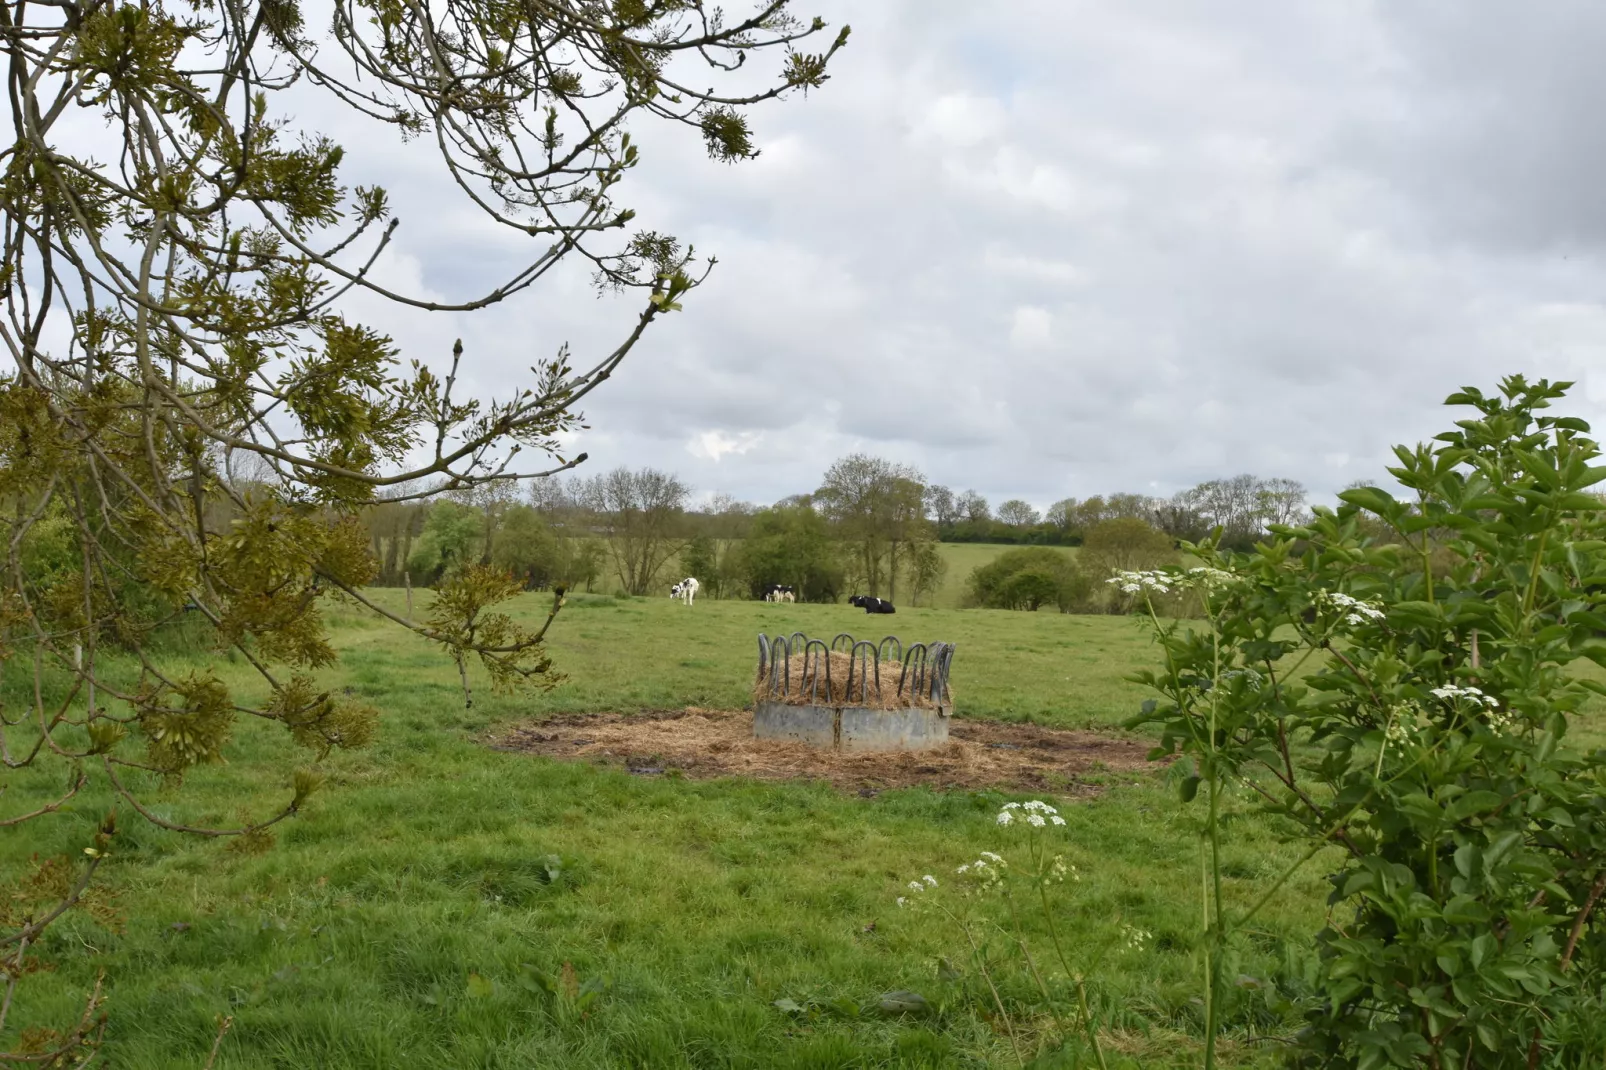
(852, 695)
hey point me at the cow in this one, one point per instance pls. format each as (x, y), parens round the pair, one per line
(685, 590)
(778, 592)
(871, 604)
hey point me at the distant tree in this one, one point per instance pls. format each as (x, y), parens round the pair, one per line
(1027, 579)
(638, 514)
(1018, 514)
(942, 506)
(927, 567)
(974, 507)
(792, 545)
(526, 547)
(1282, 501)
(1062, 516)
(450, 539)
(700, 559)
(1123, 544)
(875, 507)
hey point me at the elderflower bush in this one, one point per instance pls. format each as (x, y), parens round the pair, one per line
(1414, 661)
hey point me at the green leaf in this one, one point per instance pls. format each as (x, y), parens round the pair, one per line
(1188, 788)
(1372, 499)
(1483, 946)
(787, 1005)
(479, 987)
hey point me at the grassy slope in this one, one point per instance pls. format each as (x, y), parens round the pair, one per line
(392, 923)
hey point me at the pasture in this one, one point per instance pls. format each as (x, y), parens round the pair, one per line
(444, 904)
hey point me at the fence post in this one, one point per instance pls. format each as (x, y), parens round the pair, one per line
(407, 577)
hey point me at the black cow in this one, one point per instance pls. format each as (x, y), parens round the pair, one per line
(871, 604)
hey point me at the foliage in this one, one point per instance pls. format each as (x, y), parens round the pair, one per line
(639, 516)
(1029, 579)
(526, 547)
(452, 537)
(1018, 514)
(189, 400)
(791, 544)
(877, 509)
(1405, 707)
(700, 559)
(1125, 544)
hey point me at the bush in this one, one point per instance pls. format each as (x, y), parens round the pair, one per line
(1028, 579)
(1404, 707)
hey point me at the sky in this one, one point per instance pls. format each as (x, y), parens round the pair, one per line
(1052, 248)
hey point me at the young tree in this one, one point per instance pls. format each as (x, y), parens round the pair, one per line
(791, 544)
(700, 558)
(942, 506)
(173, 266)
(927, 567)
(638, 515)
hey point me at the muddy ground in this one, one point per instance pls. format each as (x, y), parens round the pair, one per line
(712, 743)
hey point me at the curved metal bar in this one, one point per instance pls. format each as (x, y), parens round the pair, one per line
(780, 666)
(913, 659)
(871, 664)
(811, 670)
(763, 656)
(837, 644)
(881, 650)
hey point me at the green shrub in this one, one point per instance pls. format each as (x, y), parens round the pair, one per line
(1028, 579)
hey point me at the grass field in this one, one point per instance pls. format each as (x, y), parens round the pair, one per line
(421, 910)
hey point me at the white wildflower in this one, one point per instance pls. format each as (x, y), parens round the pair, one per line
(1152, 580)
(930, 880)
(1057, 819)
(916, 886)
(1354, 610)
(1005, 817)
(1135, 938)
(901, 902)
(964, 868)
(1035, 820)
(1038, 804)
(1012, 806)
(1473, 695)
(1202, 576)
(992, 857)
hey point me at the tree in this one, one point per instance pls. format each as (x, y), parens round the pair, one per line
(1018, 514)
(942, 506)
(526, 548)
(174, 276)
(451, 538)
(875, 506)
(974, 507)
(638, 515)
(1062, 516)
(1027, 579)
(700, 558)
(927, 567)
(1125, 544)
(791, 544)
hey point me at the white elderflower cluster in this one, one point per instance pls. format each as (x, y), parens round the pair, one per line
(1151, 580)
(1035, 813)
(1204, 576)
(1353, 610)
(1059, 871)
(1135, 939)
(1472, 695)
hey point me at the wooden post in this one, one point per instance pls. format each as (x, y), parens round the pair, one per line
(408, 576)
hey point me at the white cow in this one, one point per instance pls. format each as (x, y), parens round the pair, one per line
(685, 590)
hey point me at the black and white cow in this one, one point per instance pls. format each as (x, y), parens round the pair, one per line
(871, 604)
(779, 592)
(685, 590)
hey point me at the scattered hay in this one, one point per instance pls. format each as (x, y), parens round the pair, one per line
(879, 693)
(702, 744)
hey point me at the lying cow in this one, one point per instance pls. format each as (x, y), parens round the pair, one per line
(685, 590)
(871, 604)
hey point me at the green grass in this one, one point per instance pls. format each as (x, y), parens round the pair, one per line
(406, 918)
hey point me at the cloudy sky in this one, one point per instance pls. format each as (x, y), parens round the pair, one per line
(1050, 248)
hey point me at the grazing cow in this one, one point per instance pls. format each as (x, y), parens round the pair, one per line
(779, 592)
(872, 604)
(685, 590)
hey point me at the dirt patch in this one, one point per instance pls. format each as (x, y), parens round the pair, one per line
(712, 743)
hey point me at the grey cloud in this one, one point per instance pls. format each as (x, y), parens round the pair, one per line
(1049, 249)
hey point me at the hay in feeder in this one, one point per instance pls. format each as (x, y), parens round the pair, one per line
(806, 684)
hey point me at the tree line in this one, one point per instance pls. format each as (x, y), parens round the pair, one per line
(871, 526)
